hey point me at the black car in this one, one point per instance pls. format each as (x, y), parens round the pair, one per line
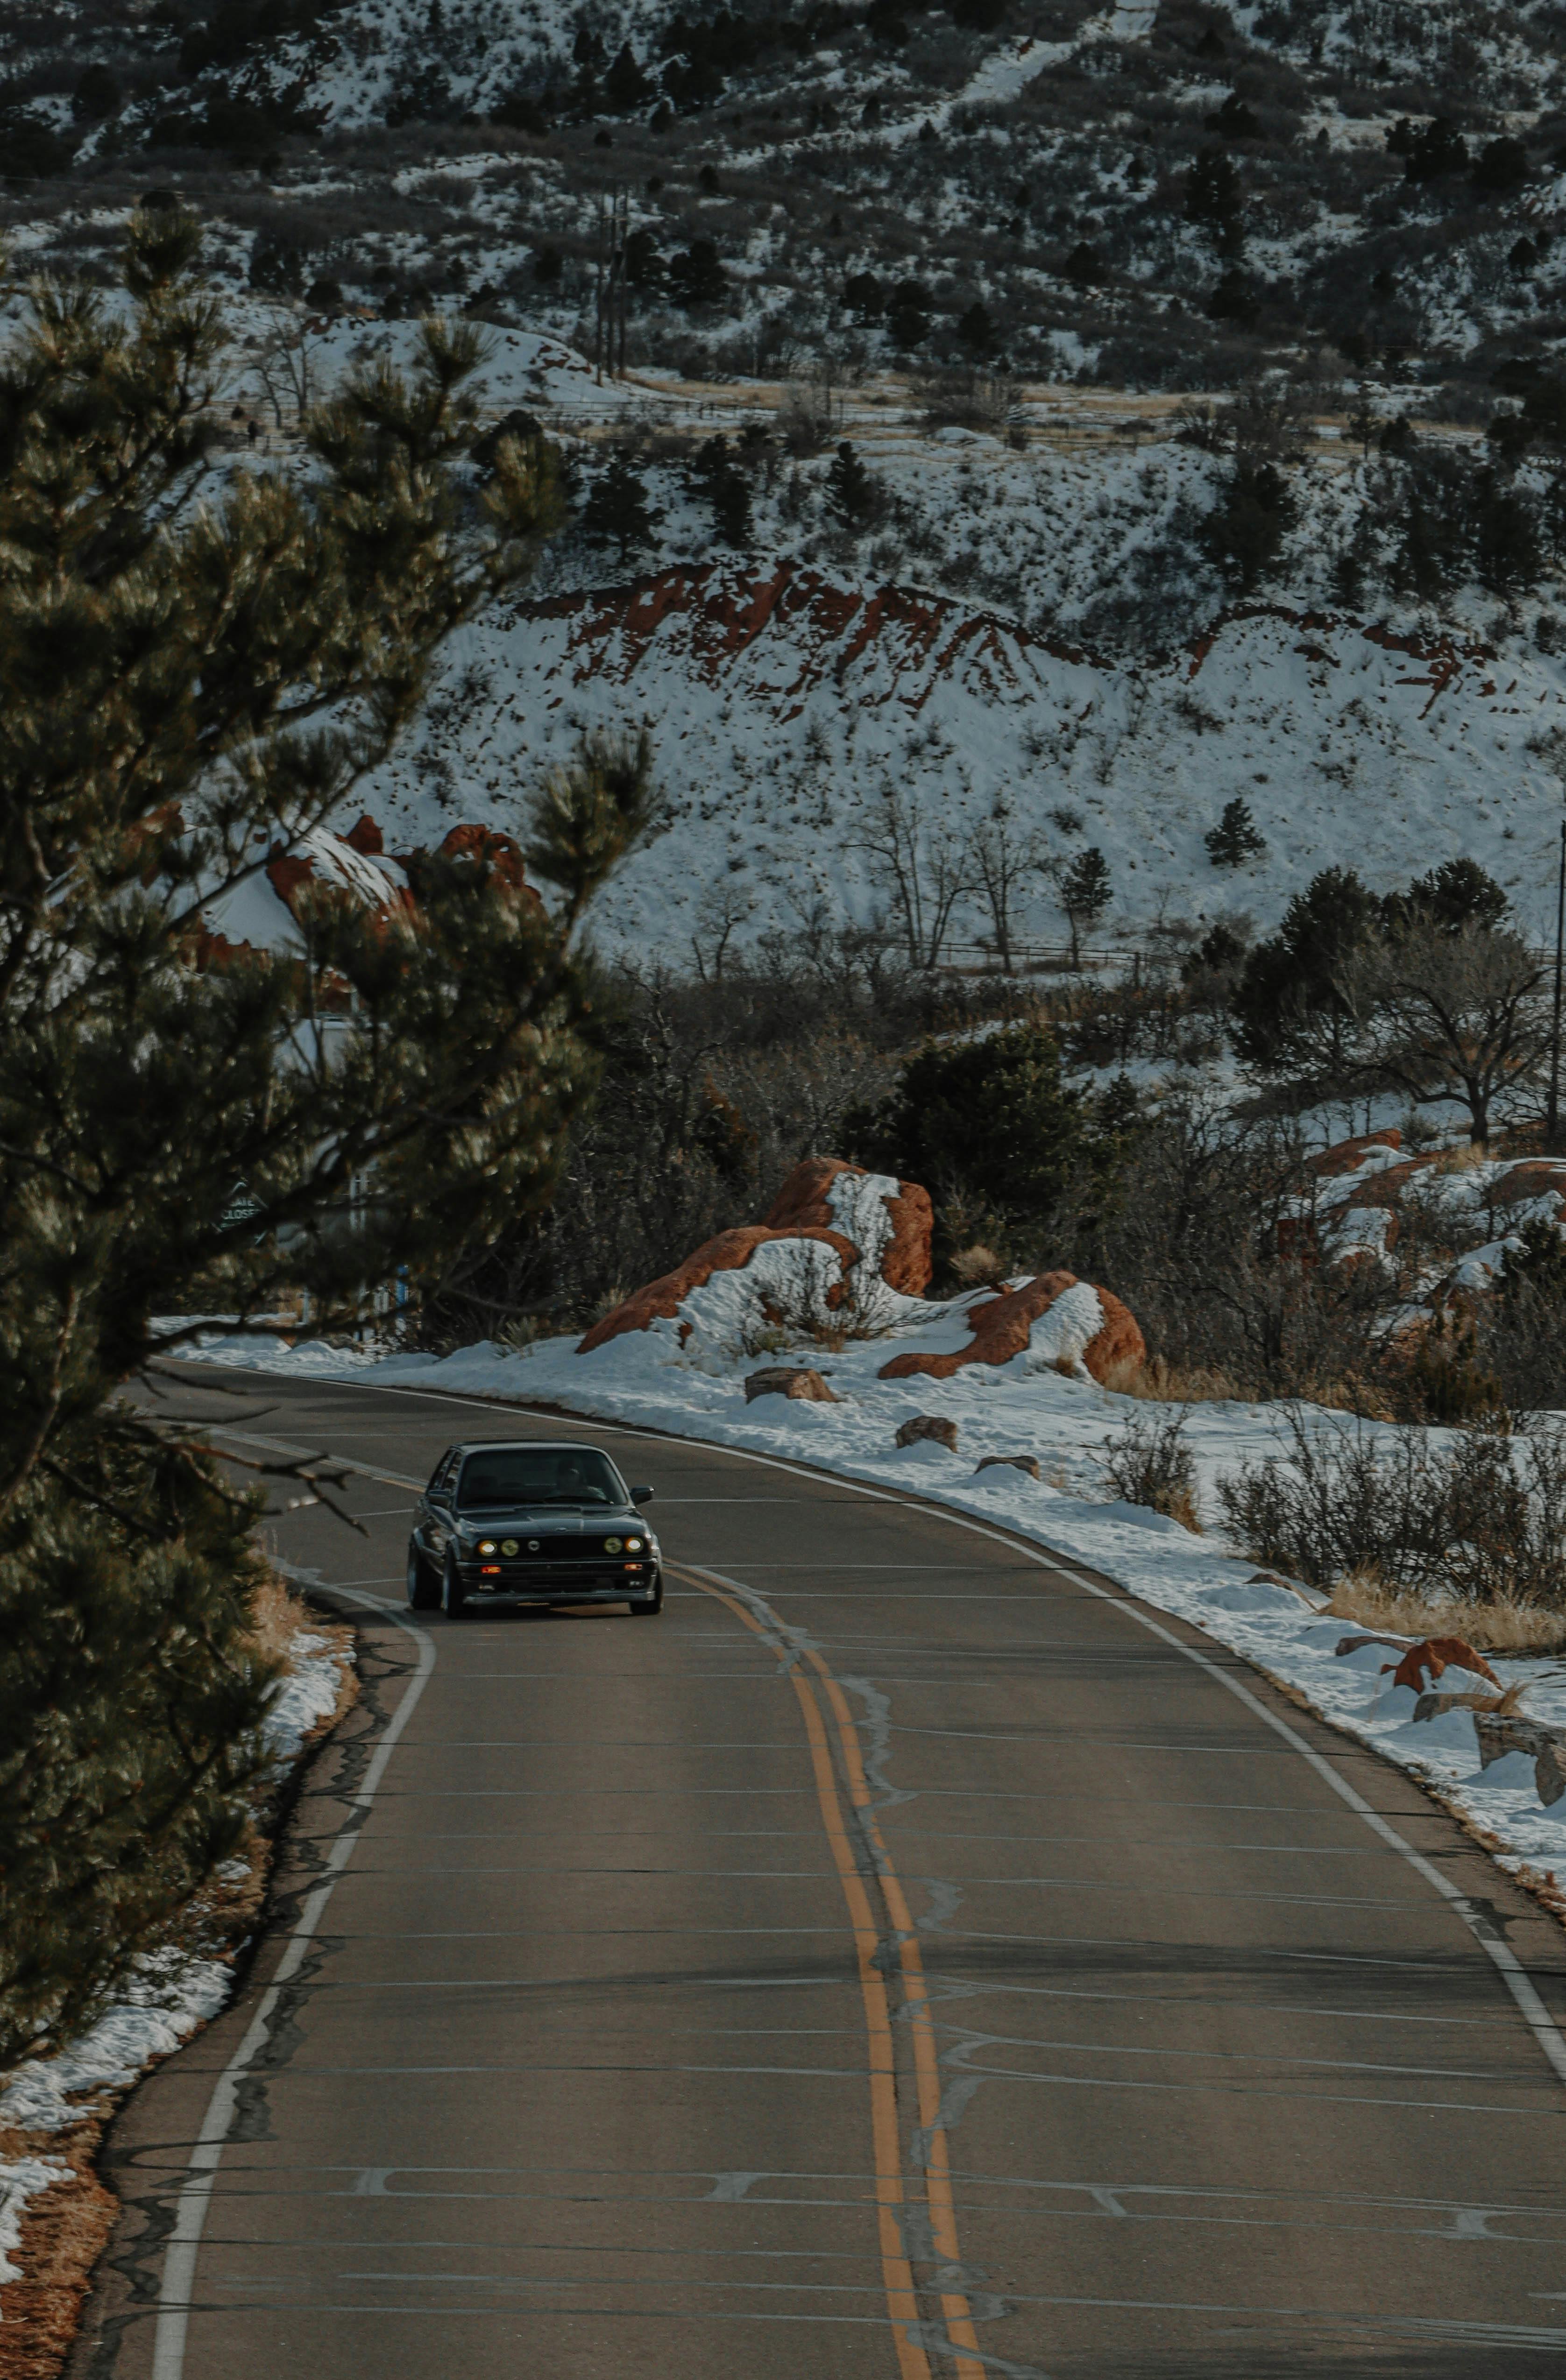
(510, 1522)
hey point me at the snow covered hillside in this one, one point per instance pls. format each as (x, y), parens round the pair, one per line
(782, 706)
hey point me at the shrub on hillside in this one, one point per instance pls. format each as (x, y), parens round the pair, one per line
(1150, 1464)
(1481, 1518)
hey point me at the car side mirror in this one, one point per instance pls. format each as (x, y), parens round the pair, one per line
(642, 1495)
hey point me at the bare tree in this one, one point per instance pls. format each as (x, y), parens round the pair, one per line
(923, 866)
(723, 907)
(1001, 856)
(1452, 1019)
(284, 364)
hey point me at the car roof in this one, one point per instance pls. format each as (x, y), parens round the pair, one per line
(524, 1446)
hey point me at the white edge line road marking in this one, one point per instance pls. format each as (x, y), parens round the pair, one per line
(195, 2195)
(1531, 2008)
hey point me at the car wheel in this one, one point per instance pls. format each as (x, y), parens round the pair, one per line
(424, 1591)
(454, 1598)
(648, 1607)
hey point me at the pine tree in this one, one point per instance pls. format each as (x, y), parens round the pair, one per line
(1086, 892)
(976, 329)
(1212, 196)
(717, 477)
(1234, 839)
(617, 512)
(197, 666)
(624, 86)
(853, 495)
(697, 276)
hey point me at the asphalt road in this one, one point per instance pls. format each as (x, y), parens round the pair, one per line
(896, 1962)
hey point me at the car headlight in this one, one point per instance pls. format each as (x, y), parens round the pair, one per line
(508, 1546)
(633, 1545)
(612, 1544)
(486, 1545)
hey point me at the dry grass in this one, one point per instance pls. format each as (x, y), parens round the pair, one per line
(980, 1268)
(279, 1611)
(63, 2233)
(1500, 1627)
(1157, 1382)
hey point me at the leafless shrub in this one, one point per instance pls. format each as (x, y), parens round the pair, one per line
(1150, 1464)
(966, 398)
(1478, 1520)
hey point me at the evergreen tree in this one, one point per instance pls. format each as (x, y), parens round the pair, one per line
(853, 495)
(988, 1125)
(1234, 839)
(617, 512)
(697, 276)
(1086, 894)
(1433, 150)
(976, 330)
(625, 86)
(716, 475)
(1244, 534)
(197, 666)
(1452, 897)
(1212, 196)
(1289, 979)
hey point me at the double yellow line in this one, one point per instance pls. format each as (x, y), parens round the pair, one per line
(901, 2297)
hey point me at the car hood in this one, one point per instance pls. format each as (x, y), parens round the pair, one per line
(540, 1520)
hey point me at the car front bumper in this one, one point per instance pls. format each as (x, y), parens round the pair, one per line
(557, 1581)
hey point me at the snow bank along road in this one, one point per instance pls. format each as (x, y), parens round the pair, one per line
(895, 1961)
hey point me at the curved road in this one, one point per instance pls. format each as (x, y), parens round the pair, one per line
(896, 1961)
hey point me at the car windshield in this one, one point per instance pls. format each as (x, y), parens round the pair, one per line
(539, 1475)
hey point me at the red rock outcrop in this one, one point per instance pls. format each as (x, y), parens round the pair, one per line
(1002, 1327)
(802, 1205)
(1423, 1663)
(661, 1300)
(1528, 1180)
(801, 1210)
(1347, 1156)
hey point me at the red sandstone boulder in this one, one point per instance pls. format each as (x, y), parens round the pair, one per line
(661, 1300)
(789, 1380)
(806, 1203)
(1531, 1179)
(1423, 1663)
(860, 1218)
(1093, 1331)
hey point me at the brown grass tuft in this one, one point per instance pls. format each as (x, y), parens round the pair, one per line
(1499, 1627)
(63, 2234)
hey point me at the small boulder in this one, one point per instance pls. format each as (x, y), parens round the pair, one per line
(1029, 1463)
(789, 1380)
(933, 1426)
(1549, 1771)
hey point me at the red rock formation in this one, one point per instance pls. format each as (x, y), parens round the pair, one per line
(1385, 1189)
(1529, 1180)
(1002, 1327)
(1423, 1663)
(1347, 1156)
(661, 1300)
(802, 1205)
(484, 842)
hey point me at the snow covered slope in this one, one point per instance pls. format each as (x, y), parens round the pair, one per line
(782, 706)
